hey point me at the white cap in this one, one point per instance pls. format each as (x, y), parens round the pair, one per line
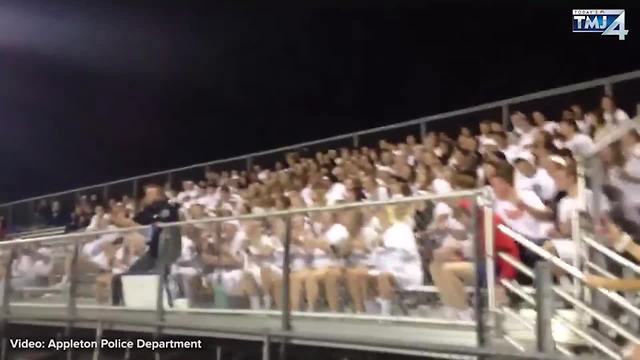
(441, 186)
(526, 156)
(558, 160)
(489, 142)
(442, 209)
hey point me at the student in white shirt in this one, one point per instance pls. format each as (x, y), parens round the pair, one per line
(31, 267)
(521, 210)
(99, 221)
(398, 261)
(543, 123)
(611, 113)
(229, 273)
(509, 150)
(526, 130)
(530, 177)
(373, 191)
(328, 248)
(567, 180)
(263, 264)
(365, 233)
(580, 145)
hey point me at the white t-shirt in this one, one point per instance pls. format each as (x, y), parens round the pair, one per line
(541, 183)
(580, 145)
(521, 221)
(307, 195)
(400, 256)
(337, 235)
(567, 205)
(337, 192)
(27, 266)
(616, 117)
(511, 153)
(380, 194)
(550, 127)
(527, 139)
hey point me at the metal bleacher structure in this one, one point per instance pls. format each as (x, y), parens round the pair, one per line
(534, 329)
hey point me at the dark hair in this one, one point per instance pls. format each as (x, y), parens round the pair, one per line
(504, 171)
(570, 122)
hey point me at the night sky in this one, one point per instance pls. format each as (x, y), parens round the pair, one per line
(92, 91)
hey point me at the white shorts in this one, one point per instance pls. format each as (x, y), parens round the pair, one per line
(230, 280)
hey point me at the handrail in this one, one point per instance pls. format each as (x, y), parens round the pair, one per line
(611, 254)
(339, 207)
(468, 110)
(571, 270)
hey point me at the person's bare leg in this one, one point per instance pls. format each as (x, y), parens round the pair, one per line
(354, 284)
(267, 278)
(441, 282)
(385, 291)
(277, 291)
(296, 287)
(250, 289)
(456, 274)
(312, 287)
(331, 279)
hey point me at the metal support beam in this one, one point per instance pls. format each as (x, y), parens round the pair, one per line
(479, 260)
(105, 194)
(71, 295)
(135, 189)
(96, 351)
(6, 294)
(505, 117)
(286, 308)
(356, 140)
(608, 88)
(218, 352)
(544, 307)
(266, 348)
(249, 163)
(423, 128)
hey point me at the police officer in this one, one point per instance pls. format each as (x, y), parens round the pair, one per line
(164, 244)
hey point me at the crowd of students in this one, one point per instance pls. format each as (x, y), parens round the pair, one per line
(529, 171)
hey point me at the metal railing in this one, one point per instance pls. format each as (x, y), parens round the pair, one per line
(20, 213)
(69, 310)
(578, 304)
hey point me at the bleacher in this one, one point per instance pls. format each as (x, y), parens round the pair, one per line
(535, 325)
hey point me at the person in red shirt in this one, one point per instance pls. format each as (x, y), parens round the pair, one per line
(453, 267)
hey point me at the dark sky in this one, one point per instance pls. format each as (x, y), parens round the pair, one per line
(98, 90)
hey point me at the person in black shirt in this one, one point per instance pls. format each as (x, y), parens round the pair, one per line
(156, 210)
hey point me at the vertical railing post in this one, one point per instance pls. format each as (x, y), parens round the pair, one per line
(105, 194)
(6, 295)
(71, 294)
(32, 213)
(489, 243)
(423, 129)
(505, 117)
(10, 219)
(638, 109)
(356, 140)
(478, 261)
(170, 179)
(249, 163)
(608, 88)
(286, 308)
(134, 196)
(286, 274)
(544, 307)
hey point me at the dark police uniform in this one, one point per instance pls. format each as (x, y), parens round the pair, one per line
(164, 244)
